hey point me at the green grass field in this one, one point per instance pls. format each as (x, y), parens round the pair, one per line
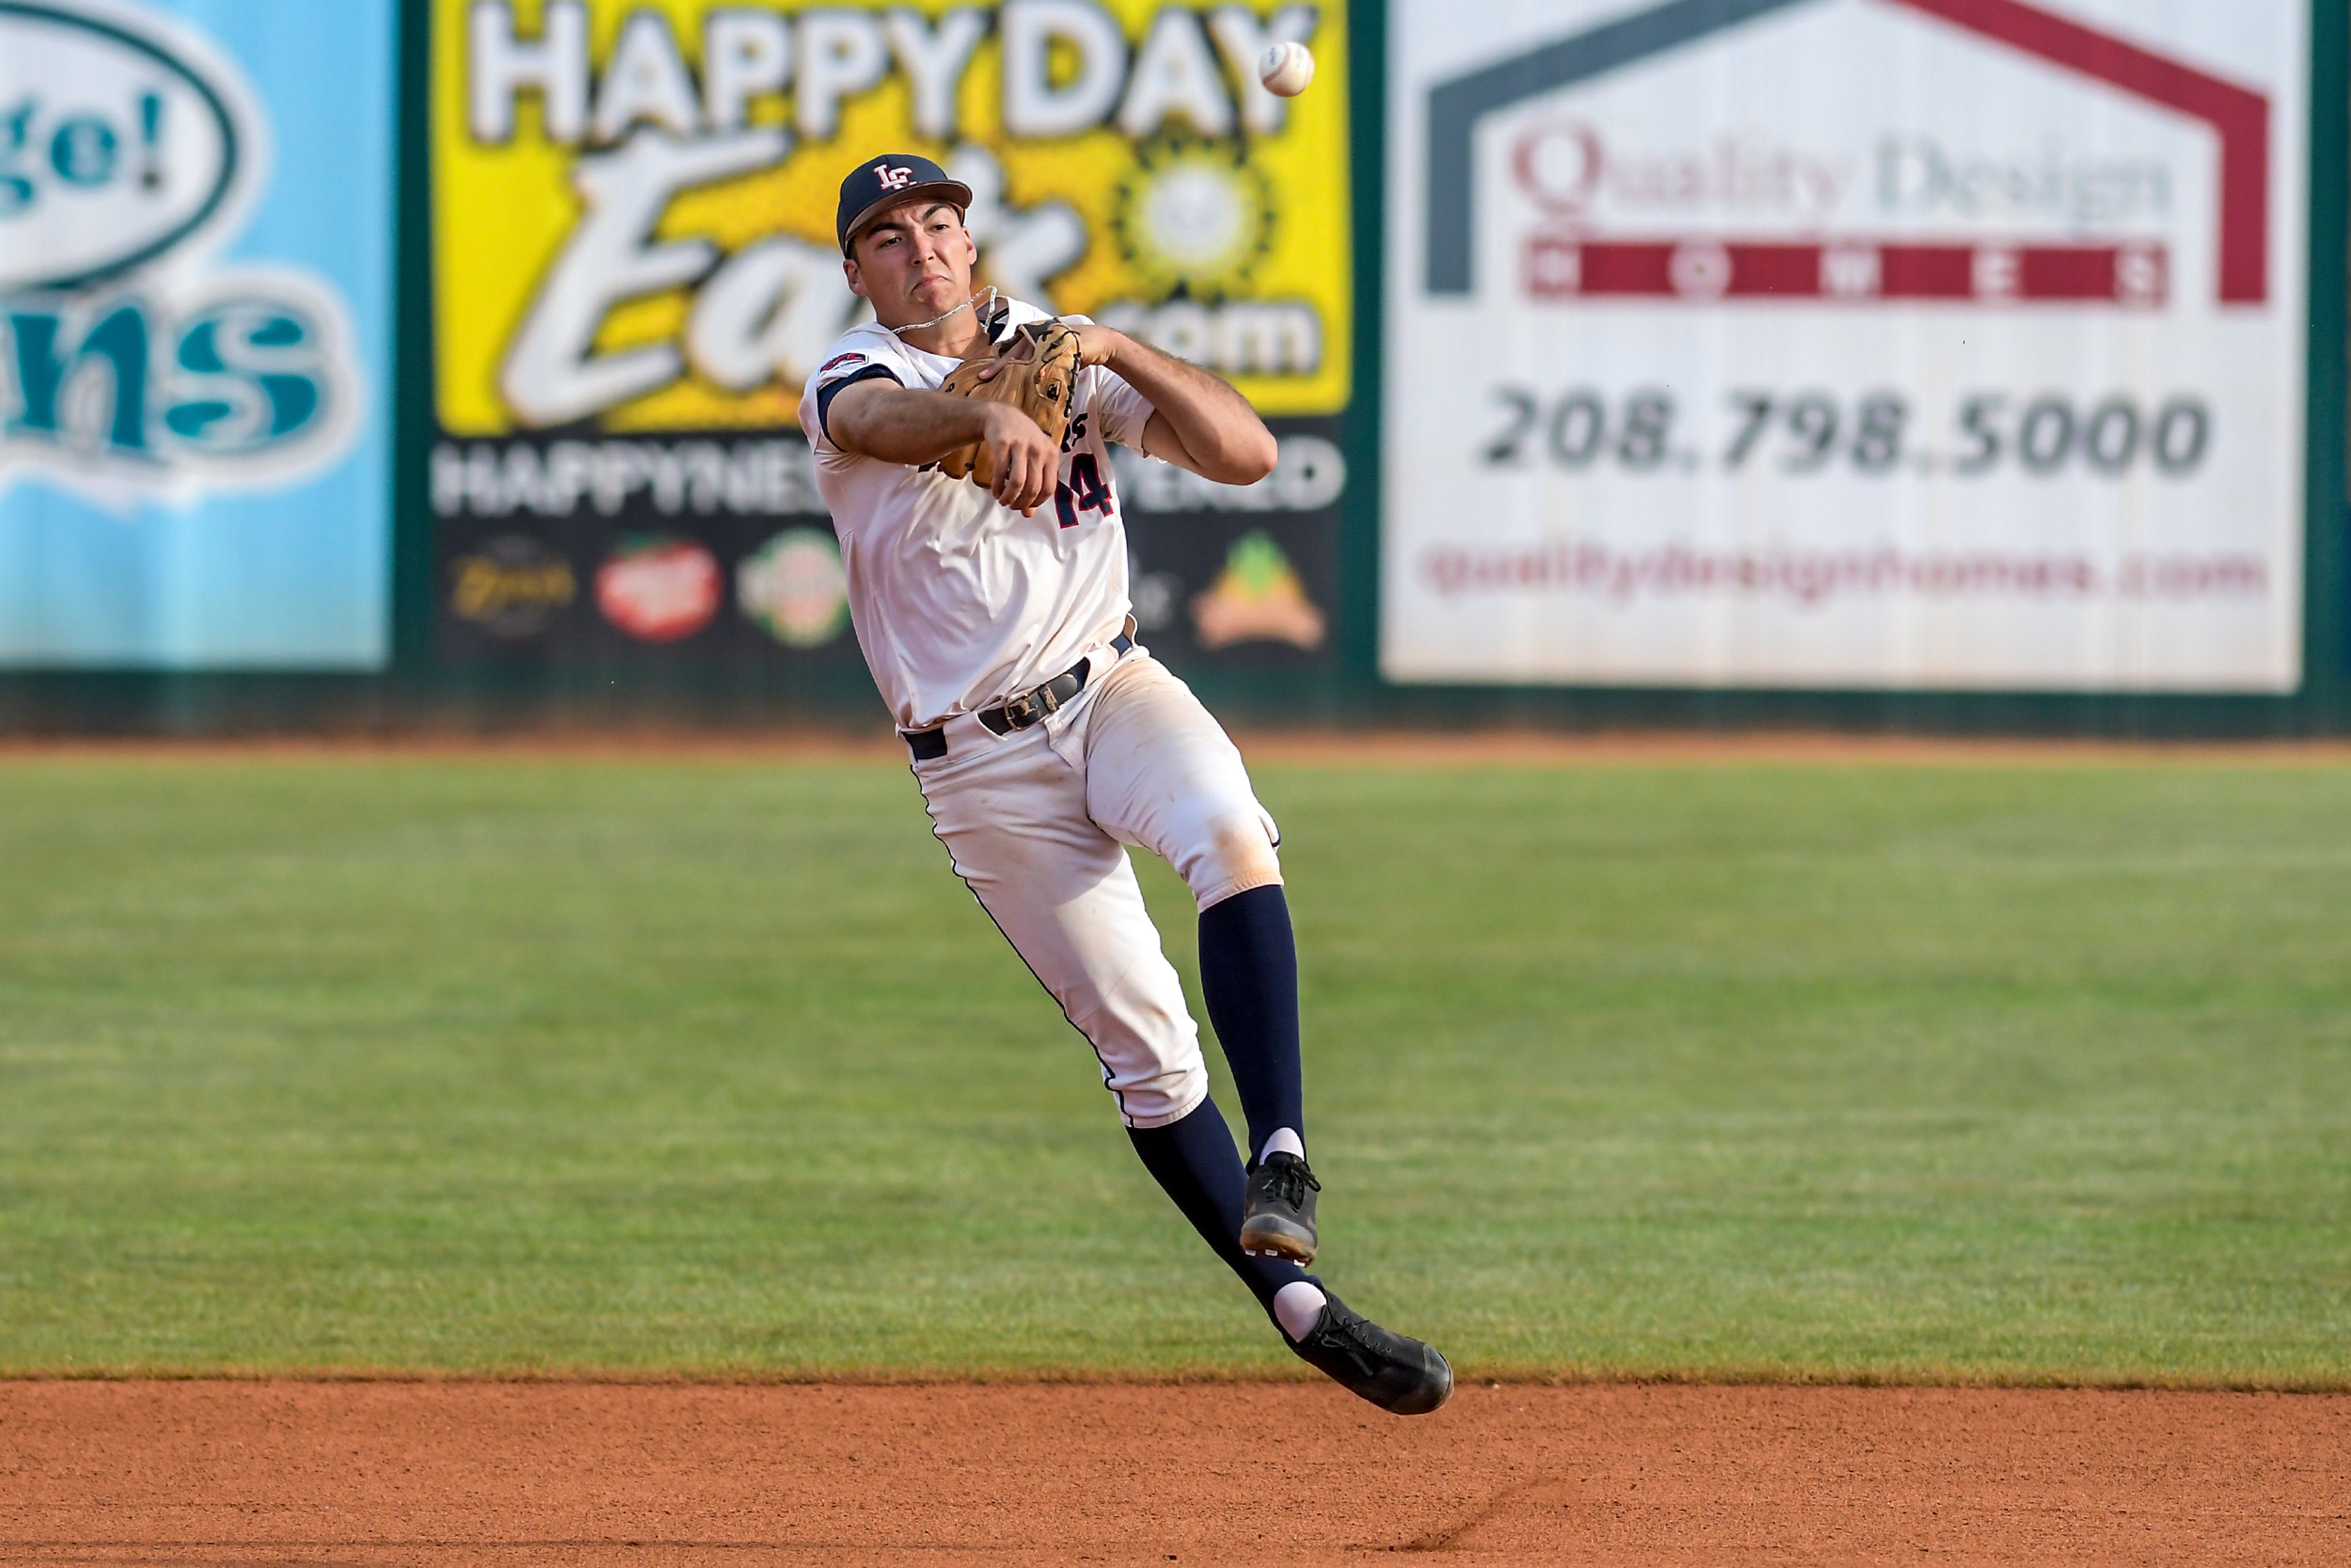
(1823, 1070)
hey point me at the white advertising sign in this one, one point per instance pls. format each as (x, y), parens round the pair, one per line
(1846, 343)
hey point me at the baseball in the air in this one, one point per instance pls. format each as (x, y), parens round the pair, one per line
(1286, 68)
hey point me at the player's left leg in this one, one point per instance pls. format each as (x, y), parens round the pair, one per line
(1011, 811)
(1161, 773)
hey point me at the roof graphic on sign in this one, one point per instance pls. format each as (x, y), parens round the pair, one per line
(2238, 116)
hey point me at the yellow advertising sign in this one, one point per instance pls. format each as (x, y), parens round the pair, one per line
(633, 203)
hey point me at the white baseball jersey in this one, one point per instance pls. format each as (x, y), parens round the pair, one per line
(960, 602)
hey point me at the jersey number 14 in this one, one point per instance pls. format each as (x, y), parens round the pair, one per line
(1085, 490)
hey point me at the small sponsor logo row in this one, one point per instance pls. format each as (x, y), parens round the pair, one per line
(660, 587)
(655, 587)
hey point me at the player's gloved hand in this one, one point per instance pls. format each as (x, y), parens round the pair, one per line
(1031, 368)
(1019, 462)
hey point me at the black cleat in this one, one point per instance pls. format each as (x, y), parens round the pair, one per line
(1396, 1372)
(1278, 1213)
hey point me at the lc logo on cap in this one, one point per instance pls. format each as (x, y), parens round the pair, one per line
(869, 189)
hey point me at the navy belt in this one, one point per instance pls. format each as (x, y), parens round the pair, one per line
(1018, 713)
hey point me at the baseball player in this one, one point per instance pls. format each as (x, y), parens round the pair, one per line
(986, 563)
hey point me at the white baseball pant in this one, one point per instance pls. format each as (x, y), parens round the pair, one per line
(1036, 823)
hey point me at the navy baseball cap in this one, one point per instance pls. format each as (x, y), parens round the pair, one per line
(878, 184)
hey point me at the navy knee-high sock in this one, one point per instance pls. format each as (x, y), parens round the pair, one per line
(1193, 1160)
(1249, 973)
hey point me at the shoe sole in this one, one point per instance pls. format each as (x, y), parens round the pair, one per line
(1270, 1238)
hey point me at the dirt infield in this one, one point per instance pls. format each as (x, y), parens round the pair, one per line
(532, 1474)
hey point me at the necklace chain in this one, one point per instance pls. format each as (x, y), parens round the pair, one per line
(925, 326)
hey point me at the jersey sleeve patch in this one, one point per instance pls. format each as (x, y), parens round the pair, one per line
(833, 389)
(837, 363)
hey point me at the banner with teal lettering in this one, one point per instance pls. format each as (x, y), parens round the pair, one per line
(196, 255)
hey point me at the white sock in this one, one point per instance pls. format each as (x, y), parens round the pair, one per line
(1297, 1306)
(1283, 1141)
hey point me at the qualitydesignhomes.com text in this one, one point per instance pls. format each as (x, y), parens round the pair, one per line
(1814, 577)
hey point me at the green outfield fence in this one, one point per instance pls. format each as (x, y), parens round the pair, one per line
(423, 690)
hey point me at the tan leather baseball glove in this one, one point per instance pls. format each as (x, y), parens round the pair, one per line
(1036, 366)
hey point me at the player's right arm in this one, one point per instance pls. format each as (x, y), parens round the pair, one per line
(878, 418)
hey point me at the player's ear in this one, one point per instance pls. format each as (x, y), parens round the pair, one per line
(849, 269)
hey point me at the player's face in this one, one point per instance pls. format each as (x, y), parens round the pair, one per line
(914, 262)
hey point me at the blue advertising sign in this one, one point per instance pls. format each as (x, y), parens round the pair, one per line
(197, 257)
